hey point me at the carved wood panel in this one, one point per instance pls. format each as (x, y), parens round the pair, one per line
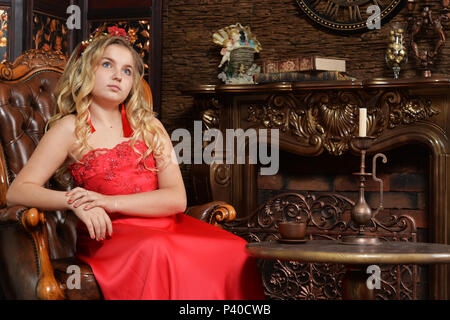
(50, 33)
(327, 120)
(328, 218)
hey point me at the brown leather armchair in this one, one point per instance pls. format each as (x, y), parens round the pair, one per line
(36, 247)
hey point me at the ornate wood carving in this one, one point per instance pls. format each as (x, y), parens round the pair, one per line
(31, 60)
(210, 118)
(47, 287)
(328, 217)
(404, 109)
(222, 213)
(210, 111)
(221, 173)
(50, 33)
(216, 212)
(328, 120)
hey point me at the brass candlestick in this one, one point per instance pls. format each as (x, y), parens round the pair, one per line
(362, 214)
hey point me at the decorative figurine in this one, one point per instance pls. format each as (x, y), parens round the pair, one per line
(238, 49)
(427, 24)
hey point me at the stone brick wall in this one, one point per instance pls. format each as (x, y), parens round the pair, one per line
(189, 55)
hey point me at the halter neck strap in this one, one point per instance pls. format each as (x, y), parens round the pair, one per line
(126, 127)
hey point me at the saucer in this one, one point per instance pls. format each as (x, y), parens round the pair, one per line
(292, 240)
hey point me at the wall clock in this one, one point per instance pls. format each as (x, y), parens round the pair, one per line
(348, 15)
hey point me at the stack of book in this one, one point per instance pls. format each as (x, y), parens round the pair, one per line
(310, 68)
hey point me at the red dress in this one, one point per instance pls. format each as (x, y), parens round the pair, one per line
(174, 257)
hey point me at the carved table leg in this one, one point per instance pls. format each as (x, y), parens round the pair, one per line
(354, 284)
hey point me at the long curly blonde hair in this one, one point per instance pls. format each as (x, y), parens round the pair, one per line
(73, 96)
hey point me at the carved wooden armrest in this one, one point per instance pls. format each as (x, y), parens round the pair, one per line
(215, 212)
(34, 222)
(47, 287)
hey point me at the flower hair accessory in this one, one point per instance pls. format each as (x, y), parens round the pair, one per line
(112, 31)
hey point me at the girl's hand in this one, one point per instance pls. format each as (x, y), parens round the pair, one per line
(96, 220)
(86, 199)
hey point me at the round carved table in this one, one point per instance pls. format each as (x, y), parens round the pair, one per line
(356, 258)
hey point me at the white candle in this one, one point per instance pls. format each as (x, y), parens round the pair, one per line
(362, 122)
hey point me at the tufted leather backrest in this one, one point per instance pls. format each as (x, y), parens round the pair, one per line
(26, 104)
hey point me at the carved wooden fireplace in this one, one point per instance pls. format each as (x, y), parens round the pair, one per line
(316, 121)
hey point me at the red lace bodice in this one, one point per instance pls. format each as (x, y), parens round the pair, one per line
(118, 170)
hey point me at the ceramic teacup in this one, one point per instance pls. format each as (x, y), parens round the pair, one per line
(293, 230)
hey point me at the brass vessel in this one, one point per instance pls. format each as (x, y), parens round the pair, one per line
(361, 213)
